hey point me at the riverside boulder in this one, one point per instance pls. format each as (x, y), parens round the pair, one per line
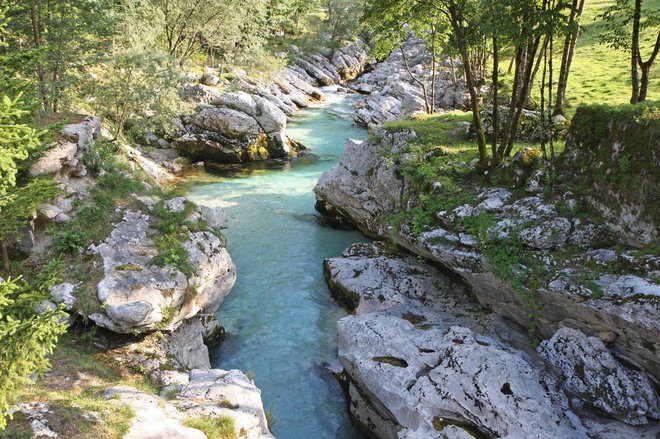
(249, 125)
(137, 295)
(420, 355)
(614, 290)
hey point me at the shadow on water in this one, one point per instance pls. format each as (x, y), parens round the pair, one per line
(280, 318)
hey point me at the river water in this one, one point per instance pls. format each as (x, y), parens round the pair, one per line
(280, 318)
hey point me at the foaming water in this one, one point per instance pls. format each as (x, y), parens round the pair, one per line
(280, 318)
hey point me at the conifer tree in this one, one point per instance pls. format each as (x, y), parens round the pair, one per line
(18, 202)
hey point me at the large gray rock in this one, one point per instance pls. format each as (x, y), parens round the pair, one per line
(589, 370)
(418, 379)
(618, 296)
(154, 417)
(240, 101)
(404, 381)
(271, 118)
(137, 296)
(215, 392)
(227, 122)
(364, 186)
(64, 157)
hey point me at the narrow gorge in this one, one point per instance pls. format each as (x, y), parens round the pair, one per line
(349, 220)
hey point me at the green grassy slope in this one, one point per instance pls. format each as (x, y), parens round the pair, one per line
(600, 74)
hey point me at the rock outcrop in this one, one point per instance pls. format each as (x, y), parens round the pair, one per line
(393, 94)
(422, 359)
(248, 125)
(138, 295)
(612, 154)
(63, 161)
(364, 187)
(415, 363)
(613, 291)
(199, 393)
(588, 369)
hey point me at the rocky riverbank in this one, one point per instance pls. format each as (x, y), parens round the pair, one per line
(154, 285)
(394, 91)
(417, 373)
(249, 124)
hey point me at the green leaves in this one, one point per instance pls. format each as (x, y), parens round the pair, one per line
(26, 338)
(17, 140)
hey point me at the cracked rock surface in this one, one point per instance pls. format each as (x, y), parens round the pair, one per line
(137, 295)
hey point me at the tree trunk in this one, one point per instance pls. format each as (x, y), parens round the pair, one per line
(427, 108)
(433, 57)
(495, 79)
(567, 56)
(467, 69)
(36, 32)
(646, 69)
(634, 57)
(513, 60)
(524, 92)
(528, 100)
(5, 256)
(512, 104)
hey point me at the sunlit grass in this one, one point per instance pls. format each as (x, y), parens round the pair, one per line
(600, 74)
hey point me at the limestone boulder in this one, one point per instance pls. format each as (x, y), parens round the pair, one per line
(589, 371)
(215, 392)
(137, 295)
(418, 379)
(227, 122)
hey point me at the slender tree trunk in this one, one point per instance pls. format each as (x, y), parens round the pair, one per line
(539, 59)
(433, 57)
(634, 57)
(524, 92)
(36, 32)
(513, 60)
(646, 69)
(495, 79)
(467, 69)
(550, 88)
(5, 256)
(543, 119)
(567, 56)
(512, 104)
(427, 108)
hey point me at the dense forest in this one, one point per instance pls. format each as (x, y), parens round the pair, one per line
(496, 94)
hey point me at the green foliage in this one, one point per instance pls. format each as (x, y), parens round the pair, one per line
(624, 164)
(20, 205)
(616, 25)
(229, 29)
(26, 338)
(93, 217)
(138, 85)
(17, 141)
(102, 153)
(172, 252)
(49, 275)
(71, 34)
(18, 200)
(214, 427)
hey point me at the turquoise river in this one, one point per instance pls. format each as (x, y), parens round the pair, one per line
(280, 318)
